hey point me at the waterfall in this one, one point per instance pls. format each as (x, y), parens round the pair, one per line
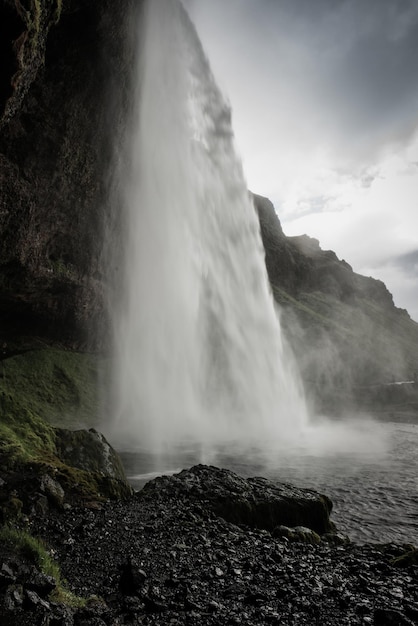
(199, 354)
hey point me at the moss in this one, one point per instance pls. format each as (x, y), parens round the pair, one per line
(33, 550)
(39, 390)
(58, 386)
(11, 510)
(91, 485)
(23, 434)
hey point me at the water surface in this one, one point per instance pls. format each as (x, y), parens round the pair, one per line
(374, 489)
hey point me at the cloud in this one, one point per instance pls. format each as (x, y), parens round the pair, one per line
(325, 110)
(408, 262)
(328, 72)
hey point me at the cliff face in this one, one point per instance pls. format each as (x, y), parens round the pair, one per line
(57, 113)
(344, 328)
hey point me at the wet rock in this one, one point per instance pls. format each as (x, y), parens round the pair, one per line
(192, 566)
(7, 575)
(409, 557)
(254, 502)
(40, 582)
(91, 621)
(132, 578)
(60, 615)
(391, 617)
(90, 451)
(13, 597)
(33, 600)
(53, 490)
(335, 538)
(299, 533)
(213, 606)
(41, 505)
(153, 605)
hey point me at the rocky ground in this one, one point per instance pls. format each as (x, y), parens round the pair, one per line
(179, 553)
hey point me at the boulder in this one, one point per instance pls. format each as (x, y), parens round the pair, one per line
(53, 490)
(253, 502)
(299, 533)
(90, 451)
(92, 469)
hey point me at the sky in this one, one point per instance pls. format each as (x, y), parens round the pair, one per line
(324, 97)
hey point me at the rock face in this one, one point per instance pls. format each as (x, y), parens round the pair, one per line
(62, 83)
(344, 328)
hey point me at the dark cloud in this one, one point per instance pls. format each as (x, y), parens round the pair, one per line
(348, 67)
(362, 59)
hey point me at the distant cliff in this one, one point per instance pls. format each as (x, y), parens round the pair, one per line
(350, 340)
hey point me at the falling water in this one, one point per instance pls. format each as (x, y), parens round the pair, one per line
(199, 350)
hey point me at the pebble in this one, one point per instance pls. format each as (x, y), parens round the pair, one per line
(192, 566)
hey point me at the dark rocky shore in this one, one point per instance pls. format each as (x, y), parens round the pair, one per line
(207, 547)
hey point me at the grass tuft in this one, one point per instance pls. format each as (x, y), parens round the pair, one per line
(32, 549)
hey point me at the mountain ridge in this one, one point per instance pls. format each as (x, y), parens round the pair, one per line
(344, 327)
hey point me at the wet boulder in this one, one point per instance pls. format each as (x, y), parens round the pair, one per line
(91, 468)
(89, 450)
(254, 502)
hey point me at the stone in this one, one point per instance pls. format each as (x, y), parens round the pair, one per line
(13, 597)
(33, 600)
(40, 582)
(299, 533)
(90, 451)
(53, 490)
(253, 502)
(154, 606)
(7, 576)
(391, 617)
(132, 578)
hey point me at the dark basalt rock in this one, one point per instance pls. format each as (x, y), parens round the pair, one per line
(90, 451)
(62, 94)
(132, 577)
(253, 502)
(83, 468)
(345, 331)
(166, 557)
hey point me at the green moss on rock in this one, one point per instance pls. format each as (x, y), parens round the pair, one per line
(60, 386)
(31, 550)
(40, 390)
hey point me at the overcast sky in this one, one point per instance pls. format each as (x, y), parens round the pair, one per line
(324, 96)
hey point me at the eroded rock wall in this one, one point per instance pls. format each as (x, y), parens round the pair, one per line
(63, 92)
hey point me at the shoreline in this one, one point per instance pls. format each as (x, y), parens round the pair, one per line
(190, 549)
